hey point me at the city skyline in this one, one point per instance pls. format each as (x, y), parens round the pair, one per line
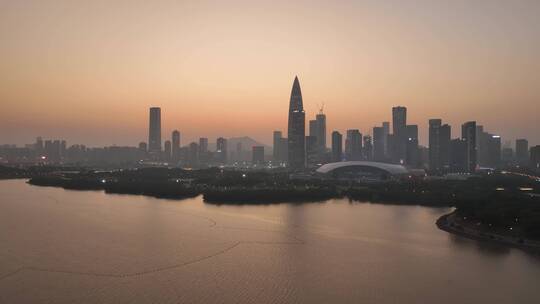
(89, 85)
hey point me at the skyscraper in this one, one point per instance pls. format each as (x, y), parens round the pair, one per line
(221, 150)
(522, 151)
(311, 151)
(399, 126)
(154, 133)
(276, 146)
(296, 129)
(434, 144)
(175, 145)
(367, 150)
(321, 131)
(257, 155)
(412, 158)
(468, 134)
(337, 146)
(378, 144)
(167, 151)
(353, 145)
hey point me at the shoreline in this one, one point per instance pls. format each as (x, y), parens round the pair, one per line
(448, 224)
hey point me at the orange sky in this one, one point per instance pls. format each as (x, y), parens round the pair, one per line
(87, 71)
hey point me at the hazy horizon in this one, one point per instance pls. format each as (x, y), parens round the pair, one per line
(87, 72)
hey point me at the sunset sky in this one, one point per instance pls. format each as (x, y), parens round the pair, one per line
(87, 71)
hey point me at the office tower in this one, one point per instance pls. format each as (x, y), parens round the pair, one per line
(167, 151)
(203, 151)
(311, 151)
(313, 128)
(412, 154)
(399, 125)
(468, 134)
(494, 151)
(368, 148)
(154, 133)
(445, 136)
(534, 161)
(507, 154)
(379, 140)
(386, 132)
(337, 146)
(175, 146)
(257, 155)
(39, 145)
(296, 129)
(321, 131)
(221, 150)
(522, 152)
(434, 144)
(193, 155)
(353, 145)
(276, 145)
(459, 156)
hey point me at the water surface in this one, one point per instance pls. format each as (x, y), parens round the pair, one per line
(59, 246)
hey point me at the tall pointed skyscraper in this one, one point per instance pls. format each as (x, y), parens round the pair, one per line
(296, 129)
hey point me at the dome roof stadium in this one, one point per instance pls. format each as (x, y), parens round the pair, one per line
(389, 168)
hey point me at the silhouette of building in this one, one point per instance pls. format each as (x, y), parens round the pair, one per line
(459, 156)
(522, 152)
(379, 140)
(399, 132)
(439, 145)
(296, 129)
(193, 155)
(535, 158)
(353, 145)
(167, 151)
(175, 146)
(257, 155)
(276, 153)
(154, 133)
(311, 151)
(221, 150)
(412, 154)
(337, 146)
(367, 150)
(468, 134)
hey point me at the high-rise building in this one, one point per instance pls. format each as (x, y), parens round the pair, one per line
(534, 161)
(379, 140)
(386, 132)
(296, 129)
(257, 155)
(368, 148)
(311, 151)
(313, 128)
(167, 151)
(203, 150)
(175, 145)
(221, 150)
(193, 155)
(459, 156)
(154, 133)
(353, 145)
(522, 152)
(321, 131)
(399, 126)
(278, 135)
(445, 136)
(434, 144)
(412, 153)
(337, 146)
(468, 134)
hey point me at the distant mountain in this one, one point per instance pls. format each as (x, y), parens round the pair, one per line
(246, 141)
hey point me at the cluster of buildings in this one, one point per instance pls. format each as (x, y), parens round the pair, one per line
(474, 149)
(394, 143)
